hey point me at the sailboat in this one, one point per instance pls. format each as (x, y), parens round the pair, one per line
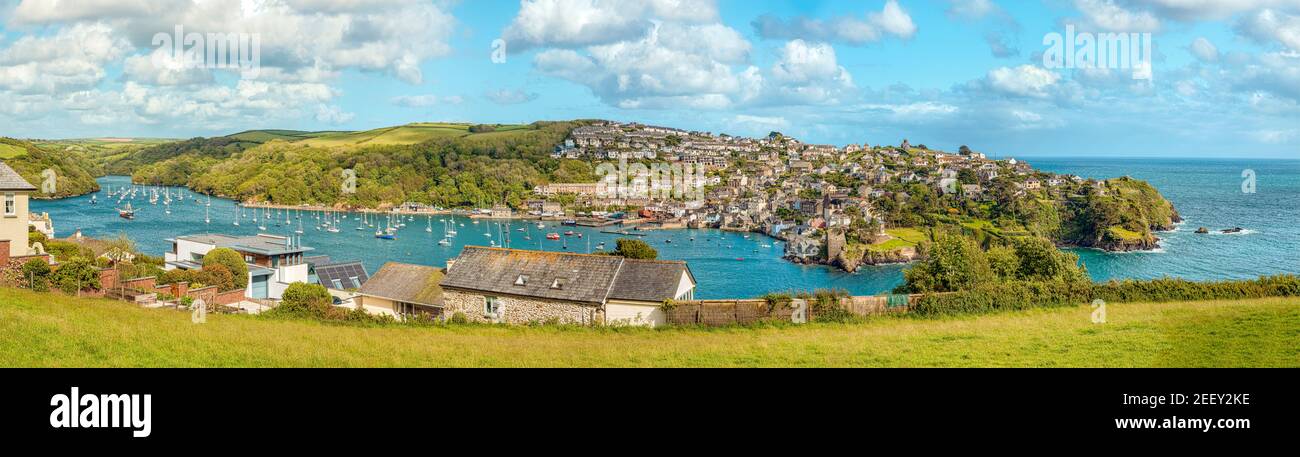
(429, 225)
(237, 215)
(446, 236)
(126, 213)
(207, 218)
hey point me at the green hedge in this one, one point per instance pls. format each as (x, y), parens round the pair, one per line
(1026, 295)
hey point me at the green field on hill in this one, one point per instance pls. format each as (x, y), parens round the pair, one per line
(406, 134)
(38, 331)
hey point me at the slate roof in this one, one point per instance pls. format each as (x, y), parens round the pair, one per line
(583, 278)
(648, 280)
(11, 180)
(343, 272)
(406, 283)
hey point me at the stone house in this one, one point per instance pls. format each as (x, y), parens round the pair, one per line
(518, 287)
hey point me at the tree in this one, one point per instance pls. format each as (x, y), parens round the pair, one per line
(635, 249)
(955, 263)
(1004, 262)
(218, 275)
(233, 262)
(1041, 261)
(964, 150)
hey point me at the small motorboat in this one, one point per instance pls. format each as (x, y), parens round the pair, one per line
(552, 236)
(569, 233)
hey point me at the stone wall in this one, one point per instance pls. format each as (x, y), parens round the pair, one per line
(520, 310)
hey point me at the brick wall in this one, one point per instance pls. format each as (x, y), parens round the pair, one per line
(145, 284)
(108, 278)
(228, 298)
(207, 294)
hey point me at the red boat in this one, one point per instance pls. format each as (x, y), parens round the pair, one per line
(126, 213)
(552, 236)
(569, 233)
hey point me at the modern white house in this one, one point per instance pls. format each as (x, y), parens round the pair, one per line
(274, 262)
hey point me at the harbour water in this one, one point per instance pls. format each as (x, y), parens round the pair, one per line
(732, 265)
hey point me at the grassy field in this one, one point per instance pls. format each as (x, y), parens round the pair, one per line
(8, 151)
(406, 134)
(38, 331)
(902, 238)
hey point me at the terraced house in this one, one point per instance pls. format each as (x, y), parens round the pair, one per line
(518, 287)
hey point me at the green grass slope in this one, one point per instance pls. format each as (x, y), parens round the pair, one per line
(38, 331)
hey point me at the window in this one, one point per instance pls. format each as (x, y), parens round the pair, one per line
(558, 284)
(338, 285)
(491, 305)
(355, 282)
(11, 205)
(522, 280)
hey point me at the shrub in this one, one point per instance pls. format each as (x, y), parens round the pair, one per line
(302, 300)
(232, 261)
(827, 305)
(1018, 295)
(459, 318)
(76, 274)
(37, 274)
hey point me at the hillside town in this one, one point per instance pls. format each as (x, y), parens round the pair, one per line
(806, 195)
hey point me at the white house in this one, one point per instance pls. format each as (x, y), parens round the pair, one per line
(274, 262)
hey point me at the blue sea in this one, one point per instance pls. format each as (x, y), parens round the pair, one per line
(729, 265)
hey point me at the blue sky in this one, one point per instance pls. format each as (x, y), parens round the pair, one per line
(1225, 73)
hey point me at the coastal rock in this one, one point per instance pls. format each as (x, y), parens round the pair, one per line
(1147, 243)
(851, 261)
(1233, 230)
(1202, 231)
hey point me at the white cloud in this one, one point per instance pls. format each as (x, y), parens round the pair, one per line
(971, 9)
(71, 59)
(1025, 80)
(1192, 10)
(757, 123)
(579, 23)
(1204, 50)
(331, 114)
(892, 20)
(416, 101)
(1269, 25)
(391, 37)
(511, 97)
(1107, 15)
(671, 65)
